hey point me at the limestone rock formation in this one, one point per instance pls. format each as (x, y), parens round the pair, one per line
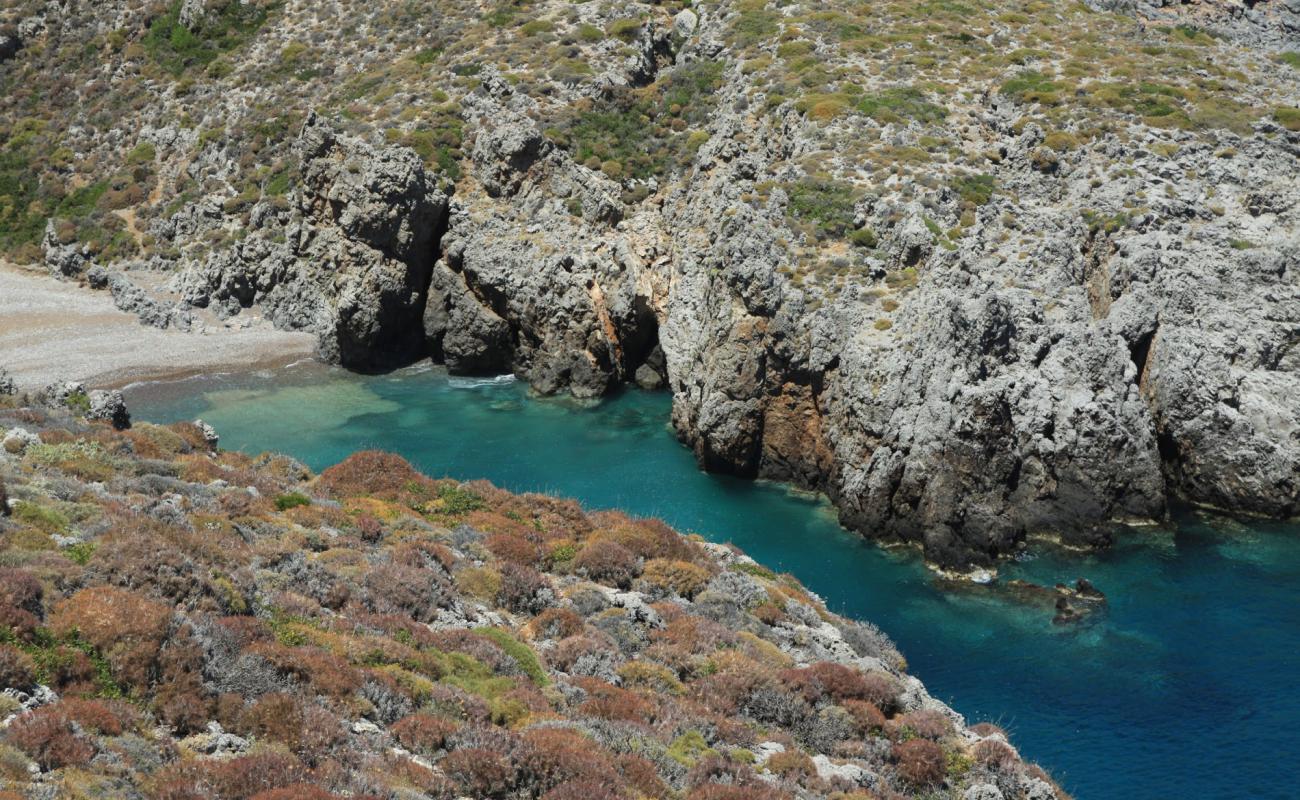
(1043, 285)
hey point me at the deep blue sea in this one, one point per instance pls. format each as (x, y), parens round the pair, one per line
(1187, 687)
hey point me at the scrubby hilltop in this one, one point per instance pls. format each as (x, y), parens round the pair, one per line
(178, 622)
(979, 270)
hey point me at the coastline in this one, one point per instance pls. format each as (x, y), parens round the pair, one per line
(53, 330)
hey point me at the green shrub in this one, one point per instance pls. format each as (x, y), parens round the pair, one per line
(520, 652)
(827, 204)
(900, 104)
(1288, 118)
(291, 500)
(975, 189)
(1031, 86)
(223, 29)
(625, 29)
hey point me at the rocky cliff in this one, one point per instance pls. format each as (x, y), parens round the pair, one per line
(979, 271)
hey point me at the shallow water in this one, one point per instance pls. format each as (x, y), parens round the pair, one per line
(1185, 688)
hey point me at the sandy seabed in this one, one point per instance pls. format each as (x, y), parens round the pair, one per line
(58, 330)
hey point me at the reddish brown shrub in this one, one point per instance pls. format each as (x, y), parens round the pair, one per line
(374, 473)
(880, 690)
(640, 775)
(988, 729)
(298, 791)
(994, 755)
(16, 668)
(826, 680)
(107, 717)
(520, 587)
(369, 529)
(586, 790)
(423, 733)
(241, 778)
(554, 756)
(479, 772)
(413, 591)
(607, 701)
(517, 549)
(308, 730)
(48, 737)
(607, 562)
(920, 762)
(20, 601)
(791, 763)
(556, 623)
(867, 719)
(128, 629)
(753, 791)
(682, 577)
(926, 723)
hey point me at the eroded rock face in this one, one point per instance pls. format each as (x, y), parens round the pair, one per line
(1062, 392)
(361, 236)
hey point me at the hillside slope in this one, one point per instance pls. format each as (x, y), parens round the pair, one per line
(978, 270)
(181, 622)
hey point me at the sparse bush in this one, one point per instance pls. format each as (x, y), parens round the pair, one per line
(423, 733)
(48, 736)
(680, 577)
(479, 772)
(920, 762)
(607, 562)
(16, 668)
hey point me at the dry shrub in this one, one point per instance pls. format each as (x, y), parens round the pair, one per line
(881, 690)
(988, 729)
(21, 608)
(413, 591)
(717, 791)
(640, 775)
(867, 719)
(521, 589)
(298, 791)
(926, 723)
(681, 577)
(718, 778)
(16, 668)
(994, 755)
(513, 548)
(555, 623)
(47, 735)
(827, 680)
(646, 538)
(607, 562)
(606, 701)
(128, 629)
(308, 730)
(423, 733)
(371, 472)
(792, 763)
(240, 778)
(554, 756)
(920, 762)
(106, 717)
(586, 790)
(479, 772)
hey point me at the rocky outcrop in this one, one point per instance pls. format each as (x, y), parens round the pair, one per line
(530, 278)
(975, 300)
(1252, 22)
(361, 236)
(1065, 394)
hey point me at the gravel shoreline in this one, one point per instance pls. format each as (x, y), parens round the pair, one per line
(53, 330)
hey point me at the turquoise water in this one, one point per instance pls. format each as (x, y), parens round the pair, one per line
(1185, 688)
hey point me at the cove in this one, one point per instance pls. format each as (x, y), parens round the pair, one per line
(1184, 688)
